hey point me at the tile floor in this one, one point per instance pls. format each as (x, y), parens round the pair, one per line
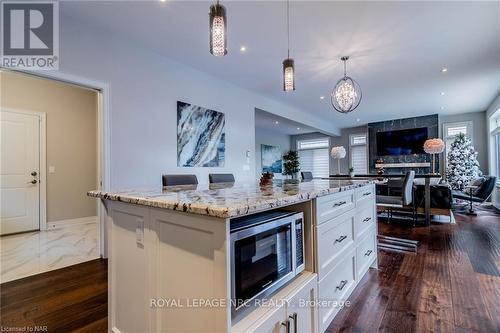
(36, 252)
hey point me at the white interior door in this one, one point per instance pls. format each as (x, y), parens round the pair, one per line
(19, 172)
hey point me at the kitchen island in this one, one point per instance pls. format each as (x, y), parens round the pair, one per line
(169, 254)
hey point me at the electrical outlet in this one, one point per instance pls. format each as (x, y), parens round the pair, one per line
(52, 169)
(139, 232)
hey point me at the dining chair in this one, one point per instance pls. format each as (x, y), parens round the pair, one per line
(306, 175)
(173, 180)
(220, 178)
(402, 200)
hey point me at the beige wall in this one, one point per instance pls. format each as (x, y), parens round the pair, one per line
(71, 139)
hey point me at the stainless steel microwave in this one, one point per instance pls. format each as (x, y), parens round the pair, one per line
(267, 251)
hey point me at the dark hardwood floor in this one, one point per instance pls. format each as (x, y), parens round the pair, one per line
(451, 285)
(71, 299)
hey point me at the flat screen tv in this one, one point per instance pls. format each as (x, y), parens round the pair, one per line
(401, 142)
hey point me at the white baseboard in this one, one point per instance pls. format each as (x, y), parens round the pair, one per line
(65, 223)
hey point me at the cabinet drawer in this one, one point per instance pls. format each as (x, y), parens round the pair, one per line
(364, 219)
(334, 237)
(333, 205)
(366, 252)
(335, 288)
(365, 193)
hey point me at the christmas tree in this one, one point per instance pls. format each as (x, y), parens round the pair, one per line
(462, 163)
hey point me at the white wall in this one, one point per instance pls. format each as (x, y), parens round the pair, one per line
(494, 106)
(145, 88)
(267, 137)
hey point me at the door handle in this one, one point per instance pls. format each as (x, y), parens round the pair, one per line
(342, 284)
(367, 193)
(34, 173)
(295, 323)
(368, 253)
(340, 239)
(287, 326)
(339, 203)
(34, 181)
(367, 219)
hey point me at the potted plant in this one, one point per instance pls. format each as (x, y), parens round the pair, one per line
(351, 171)
(291, 164)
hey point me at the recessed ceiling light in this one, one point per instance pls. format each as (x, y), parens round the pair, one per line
(442, 93)
(321, 97)
(298, 128)
(243, 48)
(442, 108)
(358, 119)
(163, 0)
(444, 70)
(276, 122)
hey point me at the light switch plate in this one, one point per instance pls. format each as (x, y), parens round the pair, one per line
(52, 169)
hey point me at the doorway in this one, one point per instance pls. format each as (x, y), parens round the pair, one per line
(50, 159)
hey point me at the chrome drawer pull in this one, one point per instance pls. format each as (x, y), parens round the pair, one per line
(340, 203)
(295, 322)
(341, 239)
(287, 326)
(367, 219)
(367, 193)
(368, 253)
(342, 284)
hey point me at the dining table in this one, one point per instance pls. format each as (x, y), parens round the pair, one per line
(427, 186)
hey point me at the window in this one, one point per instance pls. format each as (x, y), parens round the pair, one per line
(314, 156)
(358, 153)
(450, 130)
(497, 146)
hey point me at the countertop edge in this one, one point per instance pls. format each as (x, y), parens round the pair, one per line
(222, 212)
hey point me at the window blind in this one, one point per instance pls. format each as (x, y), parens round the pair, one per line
(315, 160)
(359, 159)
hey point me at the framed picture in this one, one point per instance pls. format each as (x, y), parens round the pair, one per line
(271, 159)
(200, 136)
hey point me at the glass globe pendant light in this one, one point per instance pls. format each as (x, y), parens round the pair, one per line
(346, 95)
(288, 64)
(218, 30)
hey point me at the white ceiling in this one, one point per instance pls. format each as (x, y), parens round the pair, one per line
(272, 122)
(397, 49)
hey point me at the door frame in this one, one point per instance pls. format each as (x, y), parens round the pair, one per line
(103, 138)
(42, 141)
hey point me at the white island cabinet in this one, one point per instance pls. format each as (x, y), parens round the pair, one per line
(169, 266)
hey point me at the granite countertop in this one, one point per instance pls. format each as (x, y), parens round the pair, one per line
(231, 200)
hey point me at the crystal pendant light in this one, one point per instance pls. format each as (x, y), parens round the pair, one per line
(218, 30)
(346, 95)
(288, 64)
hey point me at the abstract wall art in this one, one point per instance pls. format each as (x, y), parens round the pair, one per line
(271, 159)
(200, 136)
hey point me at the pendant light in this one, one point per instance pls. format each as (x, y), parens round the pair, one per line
(288, 64)
(218, 30)
(346, 95)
